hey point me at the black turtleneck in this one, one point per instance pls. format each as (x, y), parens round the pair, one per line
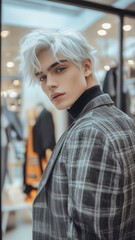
(81, 102)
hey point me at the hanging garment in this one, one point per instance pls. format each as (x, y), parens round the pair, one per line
(10, 122)
(4, 147)
(43, 134)
(14, 121)
(110, 87)
(40, 143)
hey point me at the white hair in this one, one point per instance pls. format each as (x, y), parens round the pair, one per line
(67, 42)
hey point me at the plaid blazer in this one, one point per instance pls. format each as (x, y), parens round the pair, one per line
(87, 191)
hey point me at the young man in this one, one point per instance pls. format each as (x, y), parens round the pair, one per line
(87, 191)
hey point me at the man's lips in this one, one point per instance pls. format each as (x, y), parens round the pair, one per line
(55, 96)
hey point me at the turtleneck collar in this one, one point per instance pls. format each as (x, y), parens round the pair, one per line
(81, 102)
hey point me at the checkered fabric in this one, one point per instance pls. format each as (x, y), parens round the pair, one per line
(87, 191)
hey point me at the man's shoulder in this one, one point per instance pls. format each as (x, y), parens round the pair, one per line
(107, 120)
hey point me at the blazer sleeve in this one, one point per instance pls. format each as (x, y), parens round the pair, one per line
(95, 182)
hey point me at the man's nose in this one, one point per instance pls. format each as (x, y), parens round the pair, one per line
(51, 82)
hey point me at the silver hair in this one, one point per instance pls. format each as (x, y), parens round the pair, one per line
(67, 42)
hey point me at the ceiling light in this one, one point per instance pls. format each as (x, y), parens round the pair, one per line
(10, 64)
(16, 82)
(12, 94)
(127, 28)
(101, 32)
(5, 34)
(106, 25)
(107, 67)
(130, 62)
(4, 94)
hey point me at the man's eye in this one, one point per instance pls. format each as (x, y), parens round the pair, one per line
(60, 69)
(42, 78)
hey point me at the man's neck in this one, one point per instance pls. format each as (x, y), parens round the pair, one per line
(81, 102)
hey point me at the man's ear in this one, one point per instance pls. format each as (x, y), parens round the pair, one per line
(87, 67)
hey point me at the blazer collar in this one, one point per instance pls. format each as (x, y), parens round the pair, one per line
(100, 100)
(51, 162)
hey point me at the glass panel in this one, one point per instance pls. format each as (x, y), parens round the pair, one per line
(129, 64)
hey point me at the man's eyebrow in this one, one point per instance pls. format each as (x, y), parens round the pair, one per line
(55, 64)
(51, 67)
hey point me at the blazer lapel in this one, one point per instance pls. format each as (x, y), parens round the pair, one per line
(51, 162)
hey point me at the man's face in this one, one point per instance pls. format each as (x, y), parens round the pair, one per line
(63, 82)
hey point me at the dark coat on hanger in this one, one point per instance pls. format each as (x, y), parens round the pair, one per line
(110, 87)
(43, 133)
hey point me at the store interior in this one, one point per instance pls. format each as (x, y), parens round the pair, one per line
(21, 103)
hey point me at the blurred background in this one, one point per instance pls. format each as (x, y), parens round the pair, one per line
(23, 106)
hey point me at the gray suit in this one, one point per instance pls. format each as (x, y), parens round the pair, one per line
(87, 191)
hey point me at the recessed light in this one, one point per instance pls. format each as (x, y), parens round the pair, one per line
(106, 25)
(12, 94)
(130, 62)
(16, 82)
(127, 28)
(5, 34)
(4, 94)
(107, 67)
(10, 64)
(101, 32)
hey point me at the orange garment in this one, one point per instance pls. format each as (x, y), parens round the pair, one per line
(33, 170)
